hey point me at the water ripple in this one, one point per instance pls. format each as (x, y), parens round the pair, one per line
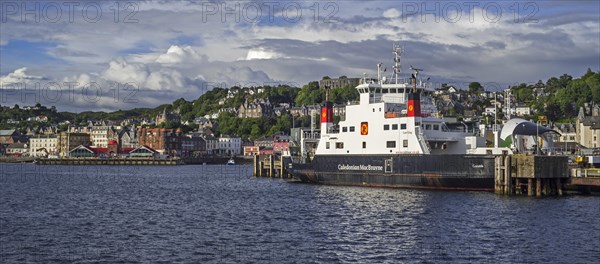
(220, 214)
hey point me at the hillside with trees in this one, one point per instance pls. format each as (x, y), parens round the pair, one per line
(560, 97)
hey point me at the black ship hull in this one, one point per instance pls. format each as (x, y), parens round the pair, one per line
(450, 172)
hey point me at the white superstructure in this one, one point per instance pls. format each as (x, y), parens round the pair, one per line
(391, 118)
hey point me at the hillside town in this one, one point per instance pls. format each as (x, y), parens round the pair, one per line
(205, 135)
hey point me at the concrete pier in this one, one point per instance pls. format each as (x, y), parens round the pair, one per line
(531, 175)
(96, 161)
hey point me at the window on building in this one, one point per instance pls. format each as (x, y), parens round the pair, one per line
(386, 127)
(436, 127)
(339, 145)
(394, 126)
(428, 127)
(405, 143)
(351, 129)
(364, 144)
(390, 144)
(402, 126)
(344, 129)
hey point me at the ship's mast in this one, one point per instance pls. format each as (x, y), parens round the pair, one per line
(379, 65)
(397, 51)
(414, 77)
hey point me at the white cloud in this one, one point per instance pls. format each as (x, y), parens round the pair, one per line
(391, 13)
(121, 71)
(177, 54)
(20, 76)
(261, 53)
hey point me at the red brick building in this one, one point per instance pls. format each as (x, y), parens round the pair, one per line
(164, 140)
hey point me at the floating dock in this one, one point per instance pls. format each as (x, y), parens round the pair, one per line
(531, 175)
(96, 161)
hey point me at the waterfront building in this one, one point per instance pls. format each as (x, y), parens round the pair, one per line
(567, 140)
(112, 150)
(143, 152)
(251, 150)
(17, 149)
(264, 142)
(42, 146)
(12, 136)
(588, 128)
(193, 146)
(164, 140)
(128, 137)
(212, 143)
(230, 146)
(281, 143)
(100, 134)
(68, 141)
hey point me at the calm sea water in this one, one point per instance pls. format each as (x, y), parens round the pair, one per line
(207, 214)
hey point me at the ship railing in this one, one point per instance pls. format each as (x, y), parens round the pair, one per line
(311, 135)
(403, 114)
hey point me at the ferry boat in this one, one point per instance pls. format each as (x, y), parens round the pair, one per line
(231, 162)
(392, 138)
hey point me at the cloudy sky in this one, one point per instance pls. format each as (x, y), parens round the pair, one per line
(107, 55)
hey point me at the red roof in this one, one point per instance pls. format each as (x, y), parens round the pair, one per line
(127, 150)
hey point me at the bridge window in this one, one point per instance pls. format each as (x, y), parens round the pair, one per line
(394, 90)
(385, 91)
(339, 145)
(386, 127)
(428, 127)
(394, 126)
(391, 144)
(344, 129)
(352, 129)
(436, 127)
(402, 126)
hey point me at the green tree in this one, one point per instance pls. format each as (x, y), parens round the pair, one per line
(310, 94)
(475, 88)
(593, 82)
(255, 132)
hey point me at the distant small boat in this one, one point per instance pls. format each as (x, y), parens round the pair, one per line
(231, 162)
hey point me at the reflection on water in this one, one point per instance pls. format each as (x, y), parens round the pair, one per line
(222, 214)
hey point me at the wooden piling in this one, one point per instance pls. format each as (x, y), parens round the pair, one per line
(507, 174)
(538, 187)
(271, 166)
(559, 187)
(529, 187)
(281, 168)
